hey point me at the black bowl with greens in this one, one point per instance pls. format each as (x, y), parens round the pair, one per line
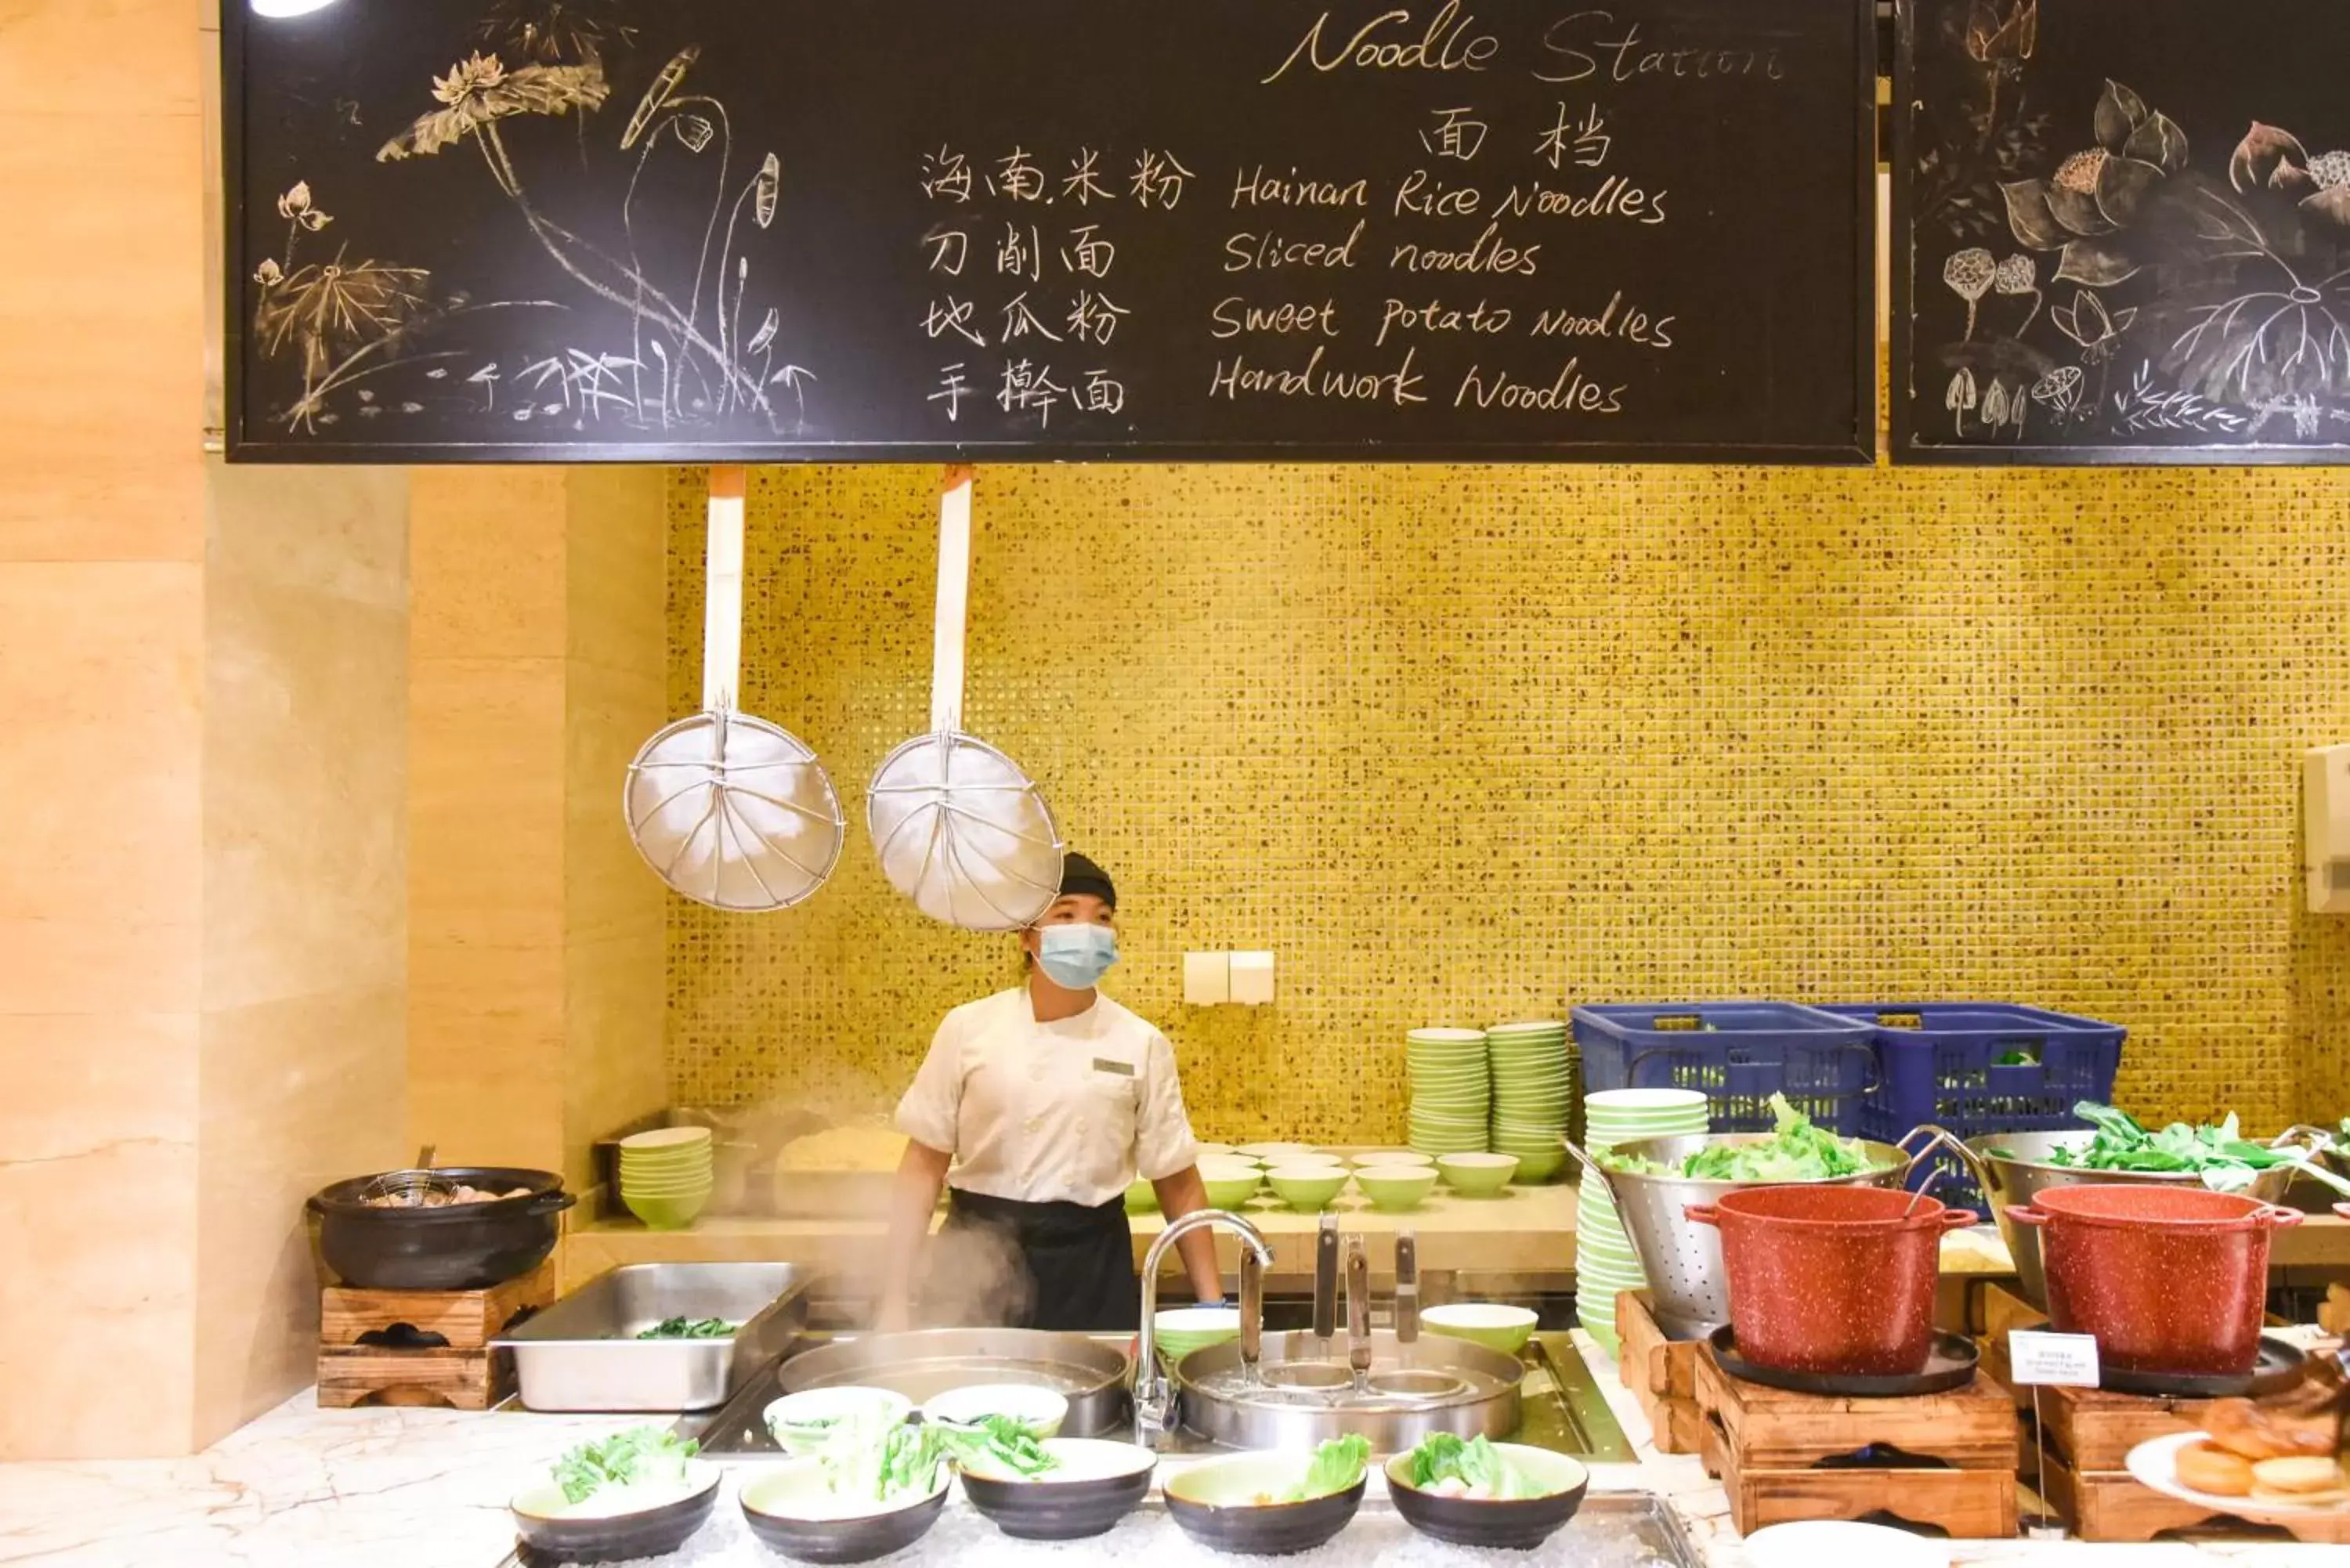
(640, 1493)
(1500, 1496)
(1085, 1489)
(1267, 1504)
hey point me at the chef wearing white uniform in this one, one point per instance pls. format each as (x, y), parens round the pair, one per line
(1046, 1101)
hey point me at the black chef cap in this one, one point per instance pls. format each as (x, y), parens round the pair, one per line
(1079, 874)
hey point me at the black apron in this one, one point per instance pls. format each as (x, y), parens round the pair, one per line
(1059, 1266)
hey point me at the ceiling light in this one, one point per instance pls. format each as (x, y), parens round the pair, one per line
(275, 8)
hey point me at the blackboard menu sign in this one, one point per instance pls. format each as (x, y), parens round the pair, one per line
(769, 229)
(2121, 231)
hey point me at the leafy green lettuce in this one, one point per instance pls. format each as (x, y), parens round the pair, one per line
(1795, 1151)
(997, 1445)
(641, 1456)
(1337, 1465)
(1473, 1463)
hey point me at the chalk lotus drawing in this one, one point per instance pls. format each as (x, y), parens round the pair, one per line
(2154, 297)
(684, 361)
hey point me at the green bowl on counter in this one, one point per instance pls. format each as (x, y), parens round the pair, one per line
(1142, 1199)
(1477, 1175)
(1488, 1324)
(1231, 1191)
(1307, 1189)
(1396, 1187)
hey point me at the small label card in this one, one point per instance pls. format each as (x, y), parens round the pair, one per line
(2042, 1359)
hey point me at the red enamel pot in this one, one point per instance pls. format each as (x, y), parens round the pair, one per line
(2169, 1280)
(1832, 1279)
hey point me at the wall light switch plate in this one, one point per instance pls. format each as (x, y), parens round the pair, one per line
(1207, 978)
(1253, 978)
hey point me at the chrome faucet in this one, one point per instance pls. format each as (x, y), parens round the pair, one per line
(1154, 1395)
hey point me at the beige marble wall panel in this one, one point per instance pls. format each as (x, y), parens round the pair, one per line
(609, 890)
(303, 1060)
(294, 1092)
(486, 552)
(486, 751)
(96, 1342)
(614, 909)
(100, 302)
(485, 909)
(618, 578)
(306, 736)
(99, 786)
(612, 1024)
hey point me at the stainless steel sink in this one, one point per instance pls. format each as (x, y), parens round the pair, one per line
(1560, 1409)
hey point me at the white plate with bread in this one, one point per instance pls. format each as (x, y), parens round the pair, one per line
(2278, 1490)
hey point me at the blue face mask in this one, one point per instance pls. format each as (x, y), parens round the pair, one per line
(1075, 957)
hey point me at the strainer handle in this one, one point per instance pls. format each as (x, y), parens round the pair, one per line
(1948, 1142)
(2303, 1137)
(721, 597)
(1591, 1167)
(954, 601)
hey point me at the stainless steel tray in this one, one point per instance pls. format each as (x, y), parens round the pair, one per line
(925, 1364)
(583, 1353)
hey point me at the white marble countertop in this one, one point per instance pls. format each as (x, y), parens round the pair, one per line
(304, 1488)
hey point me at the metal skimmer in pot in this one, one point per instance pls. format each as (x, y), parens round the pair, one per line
(1681, 1257)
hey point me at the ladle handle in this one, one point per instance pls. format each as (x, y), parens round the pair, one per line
(954, 601)
(1359, 1306)
(1251, 1310)
(1325, 1279)
(1407, 1302)
(721, 599)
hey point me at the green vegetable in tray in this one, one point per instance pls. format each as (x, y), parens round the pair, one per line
(1475, 1468)
(997, 1445)
(641, 1456)
(1337, 1465)
(1795, 1151)
(688, 1328)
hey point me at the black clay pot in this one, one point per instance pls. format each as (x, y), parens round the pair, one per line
(460, 1247)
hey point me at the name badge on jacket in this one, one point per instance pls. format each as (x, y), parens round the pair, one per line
(1104, 1064)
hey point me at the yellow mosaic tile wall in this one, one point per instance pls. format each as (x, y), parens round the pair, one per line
(1466, 744)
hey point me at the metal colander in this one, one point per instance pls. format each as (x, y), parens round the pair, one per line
(959, 828)
(1681, 1257)
(730, 810)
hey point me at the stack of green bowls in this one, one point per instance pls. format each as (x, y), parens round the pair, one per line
(666, 1176)
(1451, 1090)
(1605, 1263)
(1534, 1093)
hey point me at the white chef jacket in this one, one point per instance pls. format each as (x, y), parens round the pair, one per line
(1068, 1111)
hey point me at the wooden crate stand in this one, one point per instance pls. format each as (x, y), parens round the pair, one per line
(367, 1353)
(1661, 1373)
(2084, 1475)
(1768, 1445)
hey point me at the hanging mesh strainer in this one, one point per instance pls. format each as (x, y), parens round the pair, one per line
(960, 830)
(730, 810)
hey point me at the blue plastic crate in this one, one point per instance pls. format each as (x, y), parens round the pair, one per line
(1979, 1067)
(1739, 1052)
